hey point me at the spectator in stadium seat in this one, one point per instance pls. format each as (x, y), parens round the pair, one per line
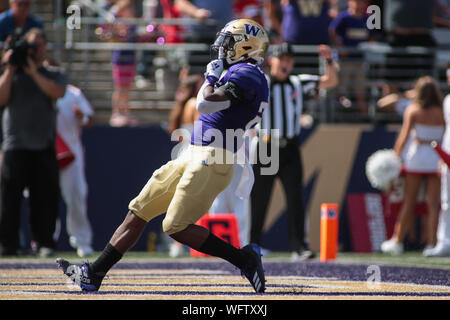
(220, 11)
(151, 9)
(74, 113)
(172, 33)
(248, 9)
(18, 20)
(347, 31)
(425, 116)
(302, 22)
(272, 20)
(28, 95)
(409, 23)
(124, 65)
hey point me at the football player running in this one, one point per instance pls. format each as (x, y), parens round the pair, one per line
(185, 188)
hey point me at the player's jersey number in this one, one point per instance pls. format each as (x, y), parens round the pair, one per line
(258, 117)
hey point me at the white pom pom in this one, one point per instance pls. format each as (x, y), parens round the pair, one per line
(382, 167)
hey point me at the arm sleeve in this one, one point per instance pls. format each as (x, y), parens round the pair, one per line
(204, 106)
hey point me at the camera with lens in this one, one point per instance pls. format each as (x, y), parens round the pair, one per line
(20, 48)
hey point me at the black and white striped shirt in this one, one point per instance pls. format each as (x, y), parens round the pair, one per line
(286, 103)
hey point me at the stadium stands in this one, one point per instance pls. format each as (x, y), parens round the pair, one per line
(87, 62)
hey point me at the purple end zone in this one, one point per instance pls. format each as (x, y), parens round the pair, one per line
(340, 271)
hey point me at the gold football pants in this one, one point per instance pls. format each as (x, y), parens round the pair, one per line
(184, 188)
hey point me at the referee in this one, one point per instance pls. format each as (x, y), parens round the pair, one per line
(287, 96)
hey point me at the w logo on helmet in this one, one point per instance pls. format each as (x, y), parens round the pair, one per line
(254, 30)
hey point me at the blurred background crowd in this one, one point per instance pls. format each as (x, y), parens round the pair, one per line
(160, 39)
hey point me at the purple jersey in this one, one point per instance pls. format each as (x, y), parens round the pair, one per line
(248, 90)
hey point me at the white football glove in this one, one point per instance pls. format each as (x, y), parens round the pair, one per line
(213, 71)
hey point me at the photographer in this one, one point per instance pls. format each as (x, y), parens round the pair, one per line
(19, 19)
(28, 91)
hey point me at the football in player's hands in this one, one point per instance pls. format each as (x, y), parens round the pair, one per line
(214, 70)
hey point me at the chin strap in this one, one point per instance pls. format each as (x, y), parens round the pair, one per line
(221, 53)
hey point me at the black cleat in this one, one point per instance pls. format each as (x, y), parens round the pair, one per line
(254, 271)
(81, 275)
